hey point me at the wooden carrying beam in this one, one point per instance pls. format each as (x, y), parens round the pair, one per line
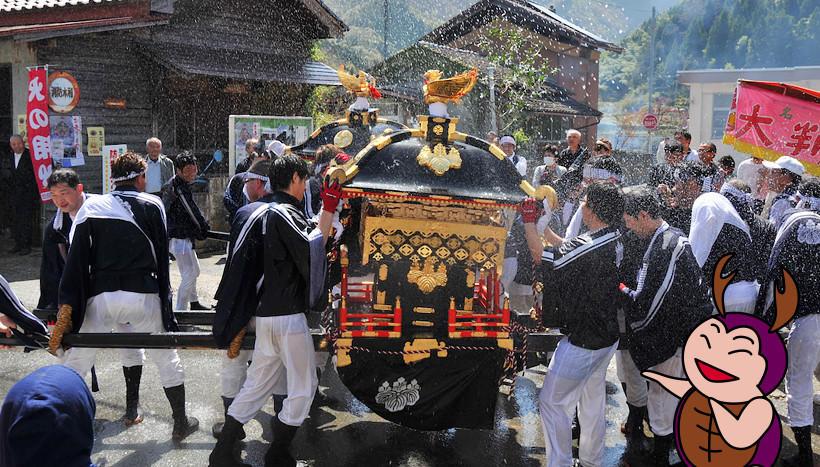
(536, 342)
(191, 318)
(167, 340)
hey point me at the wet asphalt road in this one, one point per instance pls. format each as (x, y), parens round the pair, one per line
(340, 431)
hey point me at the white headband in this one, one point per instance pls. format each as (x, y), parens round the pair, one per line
(728, 189)
(253, 176)
(128, 176)
(599, 174)
(507, 140)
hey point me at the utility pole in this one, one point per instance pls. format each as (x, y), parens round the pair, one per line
(491, 79)
(384, 43)
(651, 83)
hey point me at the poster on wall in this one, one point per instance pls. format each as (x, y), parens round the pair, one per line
(67, 140)
(38, 131)
(109, 153)
(96, 140)
(21, 126)
(289, 130)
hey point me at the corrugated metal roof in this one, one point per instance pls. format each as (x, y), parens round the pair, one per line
(786, 74)
(22, 5)
(31, 32)
(238, 64)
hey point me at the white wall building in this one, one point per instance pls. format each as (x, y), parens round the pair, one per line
(710, 96)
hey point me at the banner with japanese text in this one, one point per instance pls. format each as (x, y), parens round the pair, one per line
(109, 153)
(769, 120)
(38, 131)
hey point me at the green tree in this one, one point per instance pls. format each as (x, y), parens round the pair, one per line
(523, 73)
(717, 41)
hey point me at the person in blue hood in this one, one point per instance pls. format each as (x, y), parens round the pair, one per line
(47, 419)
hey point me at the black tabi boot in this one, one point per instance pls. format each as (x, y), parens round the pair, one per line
(576, 426)
(133, 375)
(183, 425)
(278, 454)
(660, 452)
(217, 428)
(804, 457)
(278, 402)
(226, 452)
(198, 306)
(637, 444)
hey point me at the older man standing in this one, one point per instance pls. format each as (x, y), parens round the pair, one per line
(24, 196)
(508, 145)
(573, 151)
(160, 167)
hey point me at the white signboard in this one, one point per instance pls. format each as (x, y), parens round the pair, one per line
(109, 153)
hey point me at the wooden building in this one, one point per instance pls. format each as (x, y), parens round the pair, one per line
(175, 69)
(571, 97)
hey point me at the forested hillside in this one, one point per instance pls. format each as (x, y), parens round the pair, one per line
(407, 21)
(714, 34)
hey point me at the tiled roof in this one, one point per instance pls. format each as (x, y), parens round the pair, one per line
(561, 104)
(23, 5)
(524, 13)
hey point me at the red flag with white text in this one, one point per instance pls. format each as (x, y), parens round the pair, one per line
(38, 130)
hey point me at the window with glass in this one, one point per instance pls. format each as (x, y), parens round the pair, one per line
(721, 103)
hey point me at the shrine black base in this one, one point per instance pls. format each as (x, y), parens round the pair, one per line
(437, 393)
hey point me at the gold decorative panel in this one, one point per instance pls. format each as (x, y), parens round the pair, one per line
(422, 240)
(456, 214)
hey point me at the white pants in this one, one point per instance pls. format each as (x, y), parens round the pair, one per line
(662, 404)
(188, 265)
(235, 370)
(126, 312)
(283, 344)
(629, 374)
(804, 356)
(741, 297)
(575, 378)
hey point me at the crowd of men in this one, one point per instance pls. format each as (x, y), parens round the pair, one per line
(647, 252)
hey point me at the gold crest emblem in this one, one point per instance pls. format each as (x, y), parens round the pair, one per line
(343, 139)
(429, 277)
(439, 159)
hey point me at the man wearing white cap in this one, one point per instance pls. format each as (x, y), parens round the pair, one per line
(277, 147)
(785, 175)
(508, 145)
